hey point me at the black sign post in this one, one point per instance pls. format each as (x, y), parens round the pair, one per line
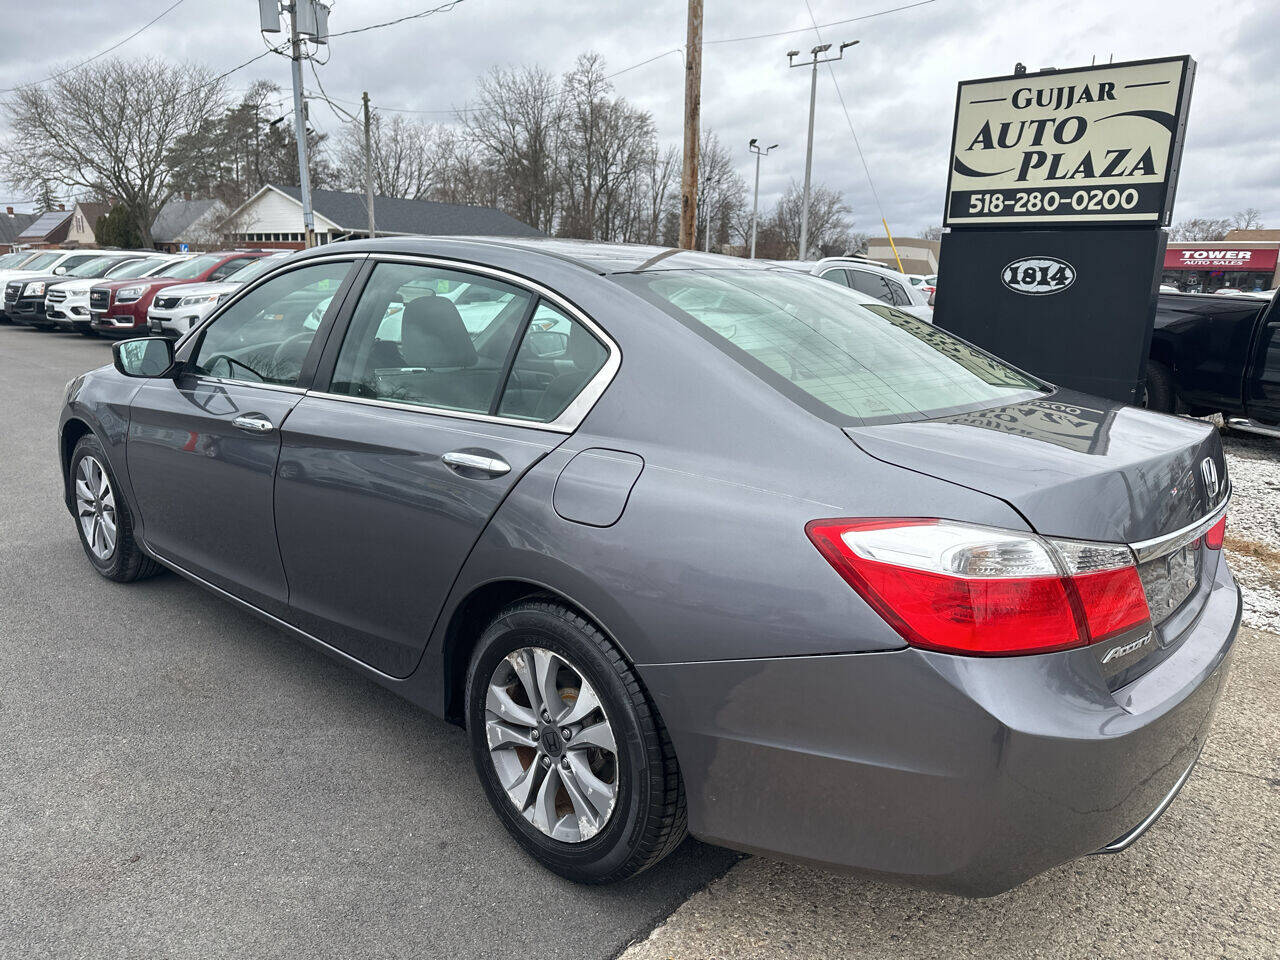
(1060, 184)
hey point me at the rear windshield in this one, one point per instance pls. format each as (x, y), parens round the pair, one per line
(189, 269)
(848, 360)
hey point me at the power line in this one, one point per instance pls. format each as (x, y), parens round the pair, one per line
(103, 53)
(635, 66)
(817, 26)
(443, 8)
(843, 106)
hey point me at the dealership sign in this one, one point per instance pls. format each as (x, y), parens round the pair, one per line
(1098, 145)
(1220, 257)
(1038, 276)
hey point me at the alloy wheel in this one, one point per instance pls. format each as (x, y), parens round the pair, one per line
(551, 744)
(96, 507)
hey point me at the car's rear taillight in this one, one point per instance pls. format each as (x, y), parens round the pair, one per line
(963, 588)
(1214, 536)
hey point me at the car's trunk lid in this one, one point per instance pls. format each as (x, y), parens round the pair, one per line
(1081, 467)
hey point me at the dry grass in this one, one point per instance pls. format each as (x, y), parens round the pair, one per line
(1267, 555)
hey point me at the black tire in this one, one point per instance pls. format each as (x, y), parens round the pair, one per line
(1160, 392)
(127, 562)
(648, 819)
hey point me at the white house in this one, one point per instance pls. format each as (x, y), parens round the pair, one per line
(272, 218)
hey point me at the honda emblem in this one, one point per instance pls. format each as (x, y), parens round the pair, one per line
(1210, 473)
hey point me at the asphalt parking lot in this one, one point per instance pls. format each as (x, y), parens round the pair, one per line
(181, 780)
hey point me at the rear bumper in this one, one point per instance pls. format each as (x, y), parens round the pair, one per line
(963, 774)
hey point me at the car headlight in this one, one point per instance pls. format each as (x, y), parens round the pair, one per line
(34, 289)
(193, 301)
(129, 294)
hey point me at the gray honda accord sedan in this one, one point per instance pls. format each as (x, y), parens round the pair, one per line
(689, 544)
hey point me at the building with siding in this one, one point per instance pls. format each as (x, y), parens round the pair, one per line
(190, 225)
(272, 218)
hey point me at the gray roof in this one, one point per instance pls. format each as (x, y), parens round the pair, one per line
(397, 215)
(42, 226)
(176, 218)
(11, 227)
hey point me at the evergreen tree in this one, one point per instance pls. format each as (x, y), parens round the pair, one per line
(118, 228)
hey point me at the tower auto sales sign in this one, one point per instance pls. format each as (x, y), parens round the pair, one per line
(1096, 145)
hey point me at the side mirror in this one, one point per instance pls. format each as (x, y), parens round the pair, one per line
(59, 271)
(143, 357)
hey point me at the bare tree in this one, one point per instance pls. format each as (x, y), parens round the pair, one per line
(604, 148)
(462, 176)
(659, 177)
(829, 222)
(1200, 228)
(405, 156)
(931, 233)
(1249, 218)
(515, 121)
(107, 129)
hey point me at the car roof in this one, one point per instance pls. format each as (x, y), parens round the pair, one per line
(860, 264)
(596, 256)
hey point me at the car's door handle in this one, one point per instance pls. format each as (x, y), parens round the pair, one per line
(253, 423)
(494, 466)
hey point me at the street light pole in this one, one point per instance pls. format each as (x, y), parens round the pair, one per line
(368, 168)
(754, 147)
(808, 153)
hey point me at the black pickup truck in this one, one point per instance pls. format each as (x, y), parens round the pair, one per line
(1214, 354)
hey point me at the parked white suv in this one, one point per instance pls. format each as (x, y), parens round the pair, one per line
(67, 303)
(47, 262)
(175, 310)
(876, 281)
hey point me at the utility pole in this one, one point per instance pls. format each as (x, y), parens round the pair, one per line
(692, 112)
(808, 154)
(368, 166)
(754, 147)
(300, 124)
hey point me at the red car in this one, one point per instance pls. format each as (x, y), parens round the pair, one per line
(119, 308)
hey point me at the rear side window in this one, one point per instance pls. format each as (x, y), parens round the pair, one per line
(849, 362)
(557, 358)
(432, 337)
(872, 284)
(897, 294)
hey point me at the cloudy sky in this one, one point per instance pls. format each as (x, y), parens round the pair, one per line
(899, 83)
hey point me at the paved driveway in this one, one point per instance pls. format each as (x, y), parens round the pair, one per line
(178, 779)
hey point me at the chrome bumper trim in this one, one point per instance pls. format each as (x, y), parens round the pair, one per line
(1125, 841)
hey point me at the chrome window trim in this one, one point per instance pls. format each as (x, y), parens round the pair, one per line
(554, 427)
(572, 415)
(222, 381)
(1159, 546)
(285, 266)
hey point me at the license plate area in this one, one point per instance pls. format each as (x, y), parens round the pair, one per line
(1172, 577)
